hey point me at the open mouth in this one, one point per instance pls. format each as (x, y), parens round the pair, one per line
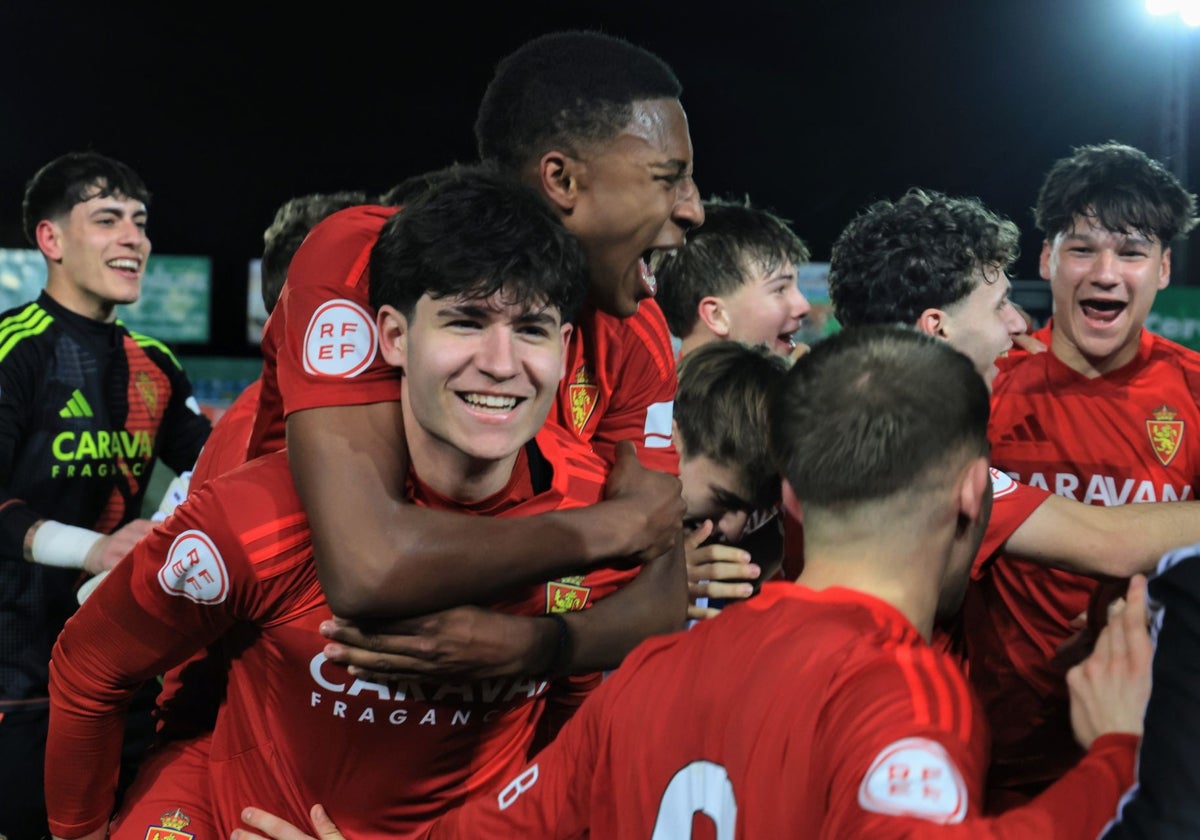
(490, 403)
(1103, 311)
(649, 265)
(124, 264)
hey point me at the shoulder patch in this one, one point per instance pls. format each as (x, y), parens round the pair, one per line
(340, 340)
(914, 777)
(1002, 483)
(195, 569)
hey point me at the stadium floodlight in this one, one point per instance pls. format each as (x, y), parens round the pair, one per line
(1188, 11)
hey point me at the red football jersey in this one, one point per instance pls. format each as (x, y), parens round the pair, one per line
(235, 563)
(793, 714)
(1124, 437)
(320, 349)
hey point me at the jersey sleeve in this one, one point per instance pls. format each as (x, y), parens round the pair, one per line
(911, 765)
(326, 339)
(16, 401)
(184, 429)
(179, 589)
(1012, 503)
(643, 396)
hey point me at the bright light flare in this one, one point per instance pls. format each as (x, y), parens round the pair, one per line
(1187, 10)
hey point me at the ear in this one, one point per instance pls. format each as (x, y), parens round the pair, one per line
(558, 180)
(974, 490)
(932, 322)
(787, 497)
(675, 436)
(393, 336)
(1164, 271)
(1044, 260)
(49, 239)
(714, 316)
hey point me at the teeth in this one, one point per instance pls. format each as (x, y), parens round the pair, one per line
(491, 401)
(658, 257)
(124, 264)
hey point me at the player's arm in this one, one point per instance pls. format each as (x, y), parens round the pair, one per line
(106, 650)
(1118, 541)
(380, 556)
(485, 643)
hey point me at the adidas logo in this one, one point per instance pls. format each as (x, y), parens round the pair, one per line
(1027, 431)
(77, 406)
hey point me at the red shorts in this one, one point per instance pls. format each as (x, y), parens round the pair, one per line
(169, 798)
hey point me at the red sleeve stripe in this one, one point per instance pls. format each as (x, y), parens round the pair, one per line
(271, 528)
(939, 696)
(279, 547)
(653, 334)
(358, 271)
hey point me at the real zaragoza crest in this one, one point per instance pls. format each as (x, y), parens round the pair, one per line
(566, 594)
(1166, 434)
(582, 392)
(171, 827)
(149, 392)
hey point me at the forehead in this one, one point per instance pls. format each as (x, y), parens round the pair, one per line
(1088, 229)
(506, 304)
(706, 482)
(117, 202)
(657, 133)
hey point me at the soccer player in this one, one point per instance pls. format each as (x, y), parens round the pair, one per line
(818, 709)
(1102, 418)
(474, 285)
(594, 124)
(938, 263)
(86, 408)
(730, 485)
(735, 280)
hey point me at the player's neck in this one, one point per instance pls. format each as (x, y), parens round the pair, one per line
(1091, 367)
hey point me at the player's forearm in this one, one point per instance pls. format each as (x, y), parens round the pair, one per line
(1118, 541)
(654, 602)
(379, 556)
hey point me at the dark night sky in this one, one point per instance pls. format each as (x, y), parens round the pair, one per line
(811, 108)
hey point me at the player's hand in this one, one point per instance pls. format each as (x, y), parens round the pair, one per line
(651, 505)
(458, 643)
(276, 828)
(1028, 343)
(716, 571)
(109, 549)
(1110, 688)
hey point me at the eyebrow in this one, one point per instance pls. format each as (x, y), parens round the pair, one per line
(475, 310)
(1124, 239)
(679, 167)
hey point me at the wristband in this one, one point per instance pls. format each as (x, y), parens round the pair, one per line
(64, 546)
(561, 643)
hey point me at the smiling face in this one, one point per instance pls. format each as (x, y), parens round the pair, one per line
(982, 324)
(1103, 284)
(96, 255)
(634, 201)
(767, 308)
(479, 380)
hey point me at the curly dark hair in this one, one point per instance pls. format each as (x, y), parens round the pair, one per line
(566, 89)
(734, 238)
(1119, 187)
(73, 178)
(898, 258)
(473, 235)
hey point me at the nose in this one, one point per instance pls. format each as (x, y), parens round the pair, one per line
(1014, 321)
(688, 212)
(799, 303)
(732, 525)
(497, 355)
(1105, 267)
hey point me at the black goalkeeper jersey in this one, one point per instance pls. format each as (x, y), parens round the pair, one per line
(85, 409)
